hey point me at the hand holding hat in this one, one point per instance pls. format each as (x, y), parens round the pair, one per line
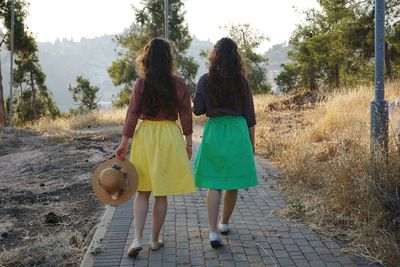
(114, 181)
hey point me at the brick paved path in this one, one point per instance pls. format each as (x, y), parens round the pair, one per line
(258, 236)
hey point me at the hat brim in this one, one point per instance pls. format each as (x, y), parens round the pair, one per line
(131, 187)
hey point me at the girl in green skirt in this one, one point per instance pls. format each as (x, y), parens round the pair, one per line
(225, 160)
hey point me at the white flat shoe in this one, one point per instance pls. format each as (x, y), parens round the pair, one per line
(135, 248)
(156, 245)
(224, 228)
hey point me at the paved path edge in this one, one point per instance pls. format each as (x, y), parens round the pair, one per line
(101, 230)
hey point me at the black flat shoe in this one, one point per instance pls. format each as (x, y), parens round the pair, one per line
(215, 240)
(216, 243)
(224, 229)
(134, 252)
(225, 232)
(135, 248)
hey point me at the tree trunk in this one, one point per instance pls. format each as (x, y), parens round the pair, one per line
(337, 76)
(33, 97)
(2, 109)
(389, 71)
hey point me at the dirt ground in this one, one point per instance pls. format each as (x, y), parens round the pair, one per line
(46, 196)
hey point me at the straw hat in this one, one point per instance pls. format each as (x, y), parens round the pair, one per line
(114, 181)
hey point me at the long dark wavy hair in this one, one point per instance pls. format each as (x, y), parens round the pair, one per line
(227, 84)
(157, 66)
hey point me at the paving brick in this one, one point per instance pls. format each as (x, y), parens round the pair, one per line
(212, 263)
(281, 254)
(301, 263)
(285, 261)
(317, 263)
(292, 248)
(255, 259)
(241, 264)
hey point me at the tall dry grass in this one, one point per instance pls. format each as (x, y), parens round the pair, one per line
(92, 119)
(329, 177)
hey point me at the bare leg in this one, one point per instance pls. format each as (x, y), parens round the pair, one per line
(230, 197)
(140, 210)
(213, 200)
(159, 213)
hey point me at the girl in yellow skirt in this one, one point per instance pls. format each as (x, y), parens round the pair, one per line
(158, 148)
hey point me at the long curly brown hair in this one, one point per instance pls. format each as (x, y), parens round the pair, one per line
(157, 66)
(227, 83)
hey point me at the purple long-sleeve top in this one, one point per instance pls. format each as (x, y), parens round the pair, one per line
(184, 109)
(201, 105)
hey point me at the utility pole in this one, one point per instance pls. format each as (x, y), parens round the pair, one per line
(379, 106)
(3, 113)
(166, 19)
(11, 63)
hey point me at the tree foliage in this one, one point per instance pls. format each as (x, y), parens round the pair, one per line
(84, 94)
(150, 24)
(287, 80)
(29, 78)
(334, 47)
(248, 40)
(22, 106)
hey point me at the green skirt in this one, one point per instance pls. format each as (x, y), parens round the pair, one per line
(225, 159)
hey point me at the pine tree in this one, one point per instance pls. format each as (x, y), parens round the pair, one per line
(248, 40)
(28, 74)
(149, 24)
(84, 94)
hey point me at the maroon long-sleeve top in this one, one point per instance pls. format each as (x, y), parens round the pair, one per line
(184, 109)
(201, 104)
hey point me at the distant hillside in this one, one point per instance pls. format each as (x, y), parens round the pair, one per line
(194, 50)
(64, 59)
(277, 55)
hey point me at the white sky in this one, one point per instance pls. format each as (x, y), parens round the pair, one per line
(52, 19)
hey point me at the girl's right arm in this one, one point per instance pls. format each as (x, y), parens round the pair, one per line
(249, 114)
(131, 120)
(120, 152)
(252, 131)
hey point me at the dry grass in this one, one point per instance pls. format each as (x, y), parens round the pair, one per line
(93, 119)
(324, 154)
(62, 249)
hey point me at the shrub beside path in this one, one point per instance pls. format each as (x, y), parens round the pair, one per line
(258, 237)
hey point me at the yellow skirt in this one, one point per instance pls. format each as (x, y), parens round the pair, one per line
(159, 155)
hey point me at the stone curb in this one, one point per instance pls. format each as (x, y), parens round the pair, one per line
(101, 230)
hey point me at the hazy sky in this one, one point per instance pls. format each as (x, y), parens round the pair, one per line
(51, 19)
